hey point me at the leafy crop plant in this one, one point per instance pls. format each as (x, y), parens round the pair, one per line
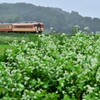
(54, 67)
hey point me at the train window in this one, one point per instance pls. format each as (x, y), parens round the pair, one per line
(42, 26)
(24, 26)
(2, 26)
(39, 25)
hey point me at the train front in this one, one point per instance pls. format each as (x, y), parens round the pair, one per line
(39, 27)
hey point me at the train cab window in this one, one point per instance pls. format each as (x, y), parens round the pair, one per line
(41, 25)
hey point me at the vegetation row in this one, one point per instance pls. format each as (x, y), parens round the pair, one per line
(54, 67)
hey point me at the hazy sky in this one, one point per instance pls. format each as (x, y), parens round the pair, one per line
(84, 7)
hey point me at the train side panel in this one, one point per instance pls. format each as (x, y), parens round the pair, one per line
(36, 27)
(23, 28)
(5, 27)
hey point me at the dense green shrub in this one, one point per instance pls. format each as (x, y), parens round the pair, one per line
(53, 67)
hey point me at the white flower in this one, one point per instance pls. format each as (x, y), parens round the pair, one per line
(94, 62)
(9, 51)
(23, 41)
(80, 57)
(86, 28)
(90, 89)
(77, 26)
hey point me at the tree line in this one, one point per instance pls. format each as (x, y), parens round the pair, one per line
(60, 20)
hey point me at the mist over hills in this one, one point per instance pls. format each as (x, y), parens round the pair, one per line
(62, 21)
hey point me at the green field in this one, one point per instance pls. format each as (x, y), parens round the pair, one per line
(7, 38)
(50, 66)
(3, 47)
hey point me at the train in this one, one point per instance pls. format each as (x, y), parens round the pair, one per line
(26, 27)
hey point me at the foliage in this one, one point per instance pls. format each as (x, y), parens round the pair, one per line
(54, 66)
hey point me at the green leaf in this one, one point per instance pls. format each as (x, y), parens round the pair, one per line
(66, 97)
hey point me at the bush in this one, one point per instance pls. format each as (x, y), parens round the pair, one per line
(53, 67)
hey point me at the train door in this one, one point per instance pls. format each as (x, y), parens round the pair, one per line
(39, 28)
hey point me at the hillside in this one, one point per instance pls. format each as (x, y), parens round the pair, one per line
(52, 17)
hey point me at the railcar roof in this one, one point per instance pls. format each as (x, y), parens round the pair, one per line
(5, 23)
(24, 23)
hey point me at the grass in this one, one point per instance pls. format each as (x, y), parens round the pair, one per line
(3, 48)
(8, 38)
